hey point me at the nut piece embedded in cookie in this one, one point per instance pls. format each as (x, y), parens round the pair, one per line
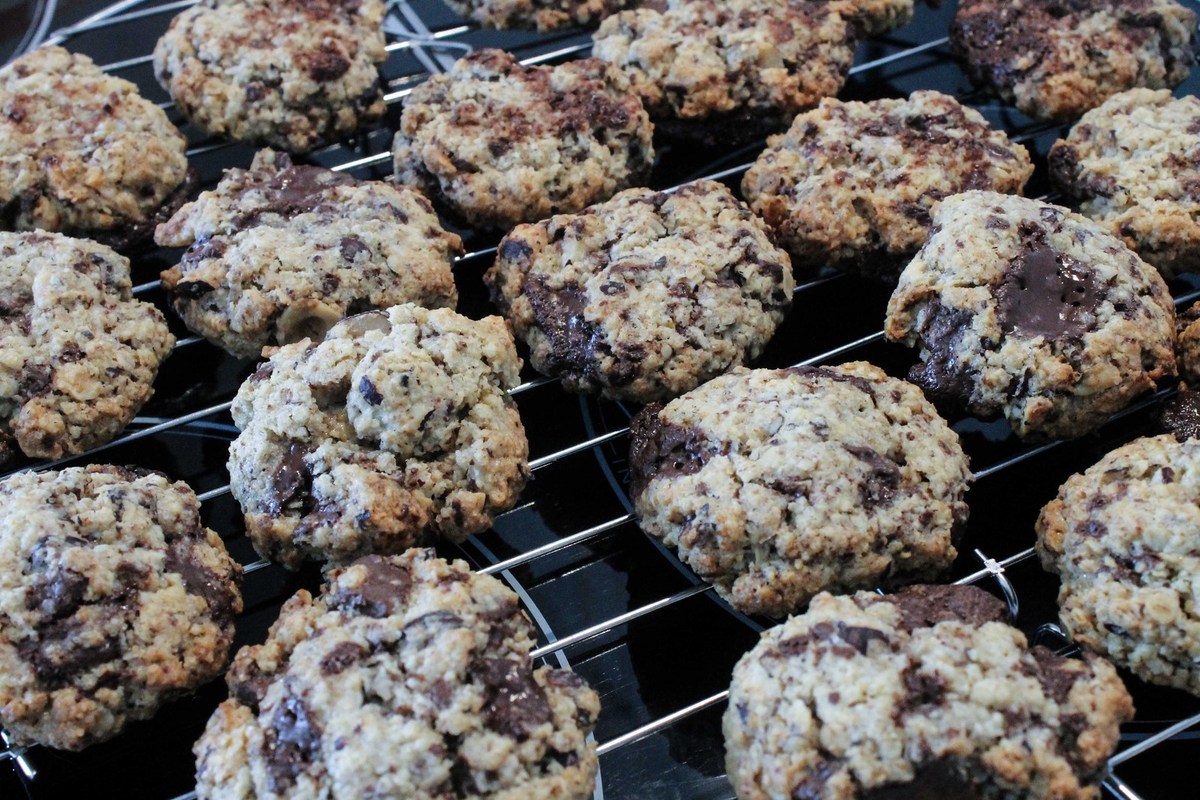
(1133, 164)
(544, 15)
(647, 295)
(1024, 309)
(498, 143)
(852, 184)
(394, 429)
(778, 484)
(408, 676)
(292, 75)
(1123, 538)
(78, 353)
(1056, 60)
(280, 252)
(923, 693)
(82, 153)
(114, 599)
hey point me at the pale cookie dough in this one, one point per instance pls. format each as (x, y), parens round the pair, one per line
(925, 693)
(1024, 309)
(114, 598)
(293, 75)
(281, 252)
(394, 429)
(852, 184)
(647, 295)
(407, 677)
(498, 143)
(81, 152)
(1124, 537)
(775, 485)
(78, 354)
(1133, 165)
(544, 15)
(1056, 60)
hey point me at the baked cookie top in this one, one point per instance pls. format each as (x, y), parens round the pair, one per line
(699, 59)
(113, 599)
(775, 485)
(852, 184)
(647, 295)
(873, 17)
(544, 15)
(924, 693)
(1133, 164)
(281, 252)
(286, 74)
(1056, 60)
(408, 676)
(82, 152)
(1025, 309)
(499, 143)
(78, 354)
(393, 429)
(1122, 537)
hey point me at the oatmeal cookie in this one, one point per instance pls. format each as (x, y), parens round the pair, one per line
(544, 15)
(873, 17)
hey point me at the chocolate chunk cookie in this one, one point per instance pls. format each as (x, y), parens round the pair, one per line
(281, 252)
(408, 676)
(78, 354)
(1133, 164)
(81, 152)
(499, 143)
(114, 598)
(873, 17)
(1122, 537)
(1025, 309)
(544, 15)
(924, 693)
(286, 74)
(393, 429)
(1055, 60)
(852, 184)
(778, 484)
(729, 70)
(647, 295)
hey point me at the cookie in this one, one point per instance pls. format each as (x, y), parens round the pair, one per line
(281, 252)
(544, 15)
(1122, 537)
(645, 296)
(81, 152)
(78, 354)
(1024, 309)
(114, 599)
(741, 68)
(499, 143)
(1056, 60)
(1187, 343)
(852, 184)
(1133, 165)
(290, 75)
(924, 693)
(394, 429)
(775, 485)
(408, 676)
(873, 17)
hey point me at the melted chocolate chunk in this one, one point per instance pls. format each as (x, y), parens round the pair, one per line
(514, 250)
(923, 690)
(36, 379)
(833, 375)
(882, 481)
(1047, 293)
(661, 449)
(513, 701)
(292, 478)
(572, 339)
(57, 594)
(383, 590)
(294, 190)
(324, 65)
(937, 780)
(350, 246)
(199, 580)
(1180, 416)
(57, 658)
(940, 373)
(342, 656)
(1055, 673)
(926, 605)
(846, 639)
(251, 688)
(292, 743)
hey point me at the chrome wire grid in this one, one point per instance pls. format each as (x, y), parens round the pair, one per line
(423, 38)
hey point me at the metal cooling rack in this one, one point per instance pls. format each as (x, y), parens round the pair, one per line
(583, 443)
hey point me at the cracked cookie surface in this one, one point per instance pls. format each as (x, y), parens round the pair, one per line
(923, 693)
(498, 143)
(852, 184)
(394, 429)
(114, 598)
(408, 676)
(775, 485)
(1122, 536)
(544, 15)
(647, 295)
(280, 252)
(78, 353)
(82, 153)
(1027, 310)
(290, 75)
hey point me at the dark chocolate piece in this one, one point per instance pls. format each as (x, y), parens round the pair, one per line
(514, 702)
(926, 605)
(1048, 293)
(383, 590)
